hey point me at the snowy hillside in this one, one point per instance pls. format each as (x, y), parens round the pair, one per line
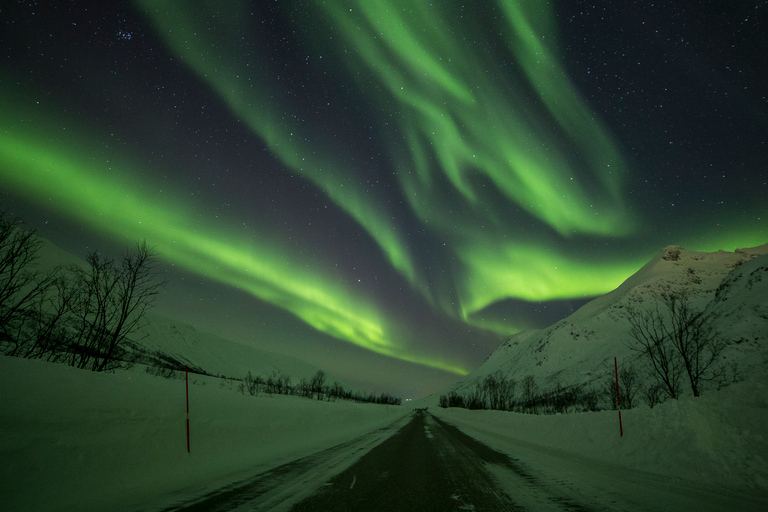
(214, 355)
(580, 349)
(166, 342)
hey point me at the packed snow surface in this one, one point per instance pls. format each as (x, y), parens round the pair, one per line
(78, 440)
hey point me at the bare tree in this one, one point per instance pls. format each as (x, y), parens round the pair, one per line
(48, 321)
(677, 339)
(111, 304)
(630, 383)
(652, 393)
(87, 315)
(529, 393)
(317, 383)
(497, 392)
(474, 399)
(21, 285)
(337, 390)
(648, 336)
(609, 390)
(695, 338)
(304, 388)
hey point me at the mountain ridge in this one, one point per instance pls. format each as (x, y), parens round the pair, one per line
(580, 348)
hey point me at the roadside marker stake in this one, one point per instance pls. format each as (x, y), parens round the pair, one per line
(186, 378)
(618, 396)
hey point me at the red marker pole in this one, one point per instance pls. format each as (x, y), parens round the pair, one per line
(186, 375)
(618, 396)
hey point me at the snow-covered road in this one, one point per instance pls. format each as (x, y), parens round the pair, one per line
(422, 463)
(431, 466)
(281, 487)
(74, 440)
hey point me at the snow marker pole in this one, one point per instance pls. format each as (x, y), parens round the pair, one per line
(186, 375)
(618, 396)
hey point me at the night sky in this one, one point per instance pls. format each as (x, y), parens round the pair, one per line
(386, 189)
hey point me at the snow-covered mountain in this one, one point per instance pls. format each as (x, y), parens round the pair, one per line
(580, 349)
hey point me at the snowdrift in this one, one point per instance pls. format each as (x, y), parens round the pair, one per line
(78, 440)
(716, 441)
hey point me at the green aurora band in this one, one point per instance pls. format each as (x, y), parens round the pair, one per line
(469, 124)
(485, 162)
(81, 184)
(461, 123)
(206, 39)
(457, 125)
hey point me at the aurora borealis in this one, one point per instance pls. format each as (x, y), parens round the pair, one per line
(385, 188)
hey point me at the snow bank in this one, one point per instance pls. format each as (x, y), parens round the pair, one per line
(719, 440)
(78, 440)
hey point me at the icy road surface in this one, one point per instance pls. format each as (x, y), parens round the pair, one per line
(421, 463)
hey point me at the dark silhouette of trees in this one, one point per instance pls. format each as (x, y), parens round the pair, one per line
(318, 384)
(251, 384)
(112, 298)
(336, 390)
(22, 287)
(497, 392)
(673, 338)
(629, 386)
(48, 320)
(315, 387)
(529, 389)
(652, 393)
(304, 388)
(452, 400)
(696, 339)
(277, 382)
(84, 316)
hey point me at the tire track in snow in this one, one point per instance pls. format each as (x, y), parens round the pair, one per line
(280, 487)
(427, 466)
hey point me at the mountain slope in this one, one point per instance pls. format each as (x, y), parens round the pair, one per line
(580, 349)
(166, 342)
(217, 356)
